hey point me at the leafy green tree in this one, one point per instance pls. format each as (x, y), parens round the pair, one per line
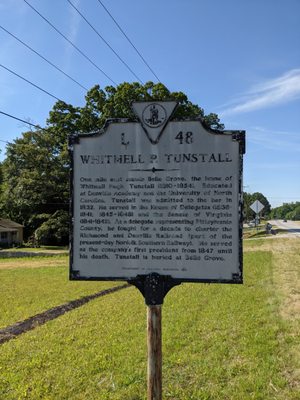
(35, 174)
(248, 213)
(287, 210)
(35, 189)
(1, 182)
(54, 231)
(115, 102)
(295, 214)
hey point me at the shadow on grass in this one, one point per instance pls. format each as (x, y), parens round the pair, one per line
(28, 324)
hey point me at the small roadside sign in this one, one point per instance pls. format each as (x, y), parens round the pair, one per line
(257, 206)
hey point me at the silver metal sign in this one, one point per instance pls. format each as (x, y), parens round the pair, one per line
(157, 196)
(257, 206)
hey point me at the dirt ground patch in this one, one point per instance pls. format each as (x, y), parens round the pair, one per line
(33, 262)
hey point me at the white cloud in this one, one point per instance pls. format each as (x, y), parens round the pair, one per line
(269, 93)
(75, 21)
(72, 35)
(274, 139)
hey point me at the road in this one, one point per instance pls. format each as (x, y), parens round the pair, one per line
(293, 227)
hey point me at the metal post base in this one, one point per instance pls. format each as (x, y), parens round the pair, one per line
(154, 287)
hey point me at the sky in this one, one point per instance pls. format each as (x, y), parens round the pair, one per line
(237, 58)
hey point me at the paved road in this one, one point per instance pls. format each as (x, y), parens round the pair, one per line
(292, 227)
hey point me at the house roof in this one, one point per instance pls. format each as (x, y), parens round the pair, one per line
(8, 229)
(7, 224)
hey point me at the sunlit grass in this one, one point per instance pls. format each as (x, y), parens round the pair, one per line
(33, 285)
(219, 342)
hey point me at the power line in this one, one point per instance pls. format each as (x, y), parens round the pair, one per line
(70, 42)
(21, 120)
(31, 83)
(128, 39)
(45, 59)
(105, 41)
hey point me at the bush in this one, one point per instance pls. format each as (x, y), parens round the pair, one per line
(54, 231)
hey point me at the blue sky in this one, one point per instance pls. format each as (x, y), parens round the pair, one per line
(238, 58)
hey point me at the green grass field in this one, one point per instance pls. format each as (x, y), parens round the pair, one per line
(219, 341)
(32, 285)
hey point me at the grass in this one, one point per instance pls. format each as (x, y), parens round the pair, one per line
(228, 342)
(32, 285)
(286, 286)
(251, 232)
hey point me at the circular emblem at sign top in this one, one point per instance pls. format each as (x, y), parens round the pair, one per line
(154, 115)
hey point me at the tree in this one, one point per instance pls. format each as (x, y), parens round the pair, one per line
(116, 103)
(287, 210)
(35, 175)
(295, 214)
(1, 181)
(35, 189)
(54, 231)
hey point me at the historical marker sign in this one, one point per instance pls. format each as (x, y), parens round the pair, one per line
(157, 196)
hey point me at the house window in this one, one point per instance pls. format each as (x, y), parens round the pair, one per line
(4, 236)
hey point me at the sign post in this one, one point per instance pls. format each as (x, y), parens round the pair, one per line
(154, 342)
(154, 287)
(257, 207)
(156, 202)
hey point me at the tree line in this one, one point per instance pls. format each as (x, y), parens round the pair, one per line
(34, 177)
(286, 211)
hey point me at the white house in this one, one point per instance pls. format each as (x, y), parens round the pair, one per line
(10, 232)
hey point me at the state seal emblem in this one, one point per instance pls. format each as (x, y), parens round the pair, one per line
(154, 115)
